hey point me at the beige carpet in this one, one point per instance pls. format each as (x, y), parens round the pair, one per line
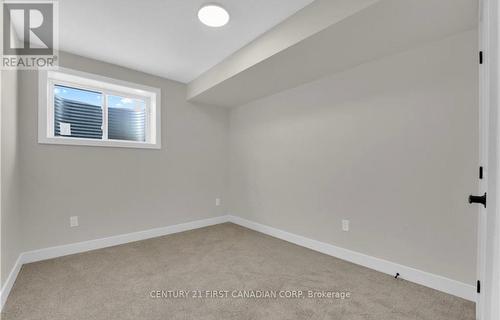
(116, 283)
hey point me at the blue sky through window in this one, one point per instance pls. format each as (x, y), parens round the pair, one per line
(78, 95)
(136, 105)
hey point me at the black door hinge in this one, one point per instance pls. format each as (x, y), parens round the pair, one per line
(480, 57)
(481, 173)
(478, 286)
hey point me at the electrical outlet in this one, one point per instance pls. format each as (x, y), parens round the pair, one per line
(217, 202)
(345, 225)
(73, 221)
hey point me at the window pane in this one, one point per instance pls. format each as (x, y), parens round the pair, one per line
(77, 113)
(126, 119)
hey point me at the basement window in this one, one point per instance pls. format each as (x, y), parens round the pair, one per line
(77, 108)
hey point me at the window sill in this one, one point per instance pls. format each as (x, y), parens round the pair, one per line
(98, 143)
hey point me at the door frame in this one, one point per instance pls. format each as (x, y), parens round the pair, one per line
(488, 262)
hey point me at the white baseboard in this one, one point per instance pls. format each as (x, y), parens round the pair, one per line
(59, 251)
(79, 247)
(9, 283)
(430, 280)
(427, 279)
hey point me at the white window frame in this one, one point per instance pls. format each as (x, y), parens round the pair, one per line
(107, 86)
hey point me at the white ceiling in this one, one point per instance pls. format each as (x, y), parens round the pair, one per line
(164, 37)
(384, 28)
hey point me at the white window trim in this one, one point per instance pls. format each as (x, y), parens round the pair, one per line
(87, 81)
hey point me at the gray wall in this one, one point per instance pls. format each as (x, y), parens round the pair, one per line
(391, 145)
(10, 175)
(116, 190)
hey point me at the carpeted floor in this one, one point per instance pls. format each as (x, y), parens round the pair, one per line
(117, 283)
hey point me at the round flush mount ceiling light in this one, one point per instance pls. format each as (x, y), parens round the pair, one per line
(213, 15)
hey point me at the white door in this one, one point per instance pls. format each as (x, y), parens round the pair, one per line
(483, 154)
(488, 261)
